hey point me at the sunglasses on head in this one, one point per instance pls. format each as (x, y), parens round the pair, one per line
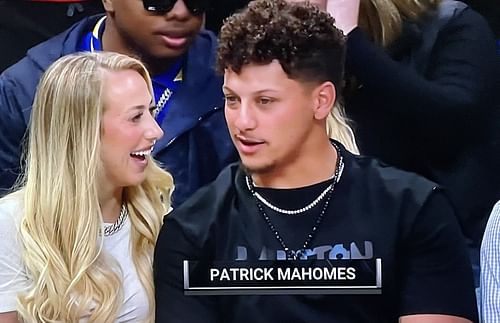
(196, 7)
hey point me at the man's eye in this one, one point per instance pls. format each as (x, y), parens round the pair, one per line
(230, 99)
(265, 101)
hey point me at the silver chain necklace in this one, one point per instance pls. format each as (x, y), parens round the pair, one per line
(115, 227)
(162, 101)
(251, 188)
(294, 255)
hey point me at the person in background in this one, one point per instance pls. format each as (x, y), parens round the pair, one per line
(490, 10)
(25, 23)
(167, 36)
(302, 203)
(490, 269)
(422, 89)
(77, 237)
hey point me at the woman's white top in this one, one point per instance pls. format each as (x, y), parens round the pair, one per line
(14, 279)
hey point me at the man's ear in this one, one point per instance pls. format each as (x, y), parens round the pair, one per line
(325, 95)
(108, 5)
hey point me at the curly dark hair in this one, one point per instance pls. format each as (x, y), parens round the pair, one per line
(299, 35)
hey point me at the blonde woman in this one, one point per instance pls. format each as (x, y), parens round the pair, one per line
(77, 238)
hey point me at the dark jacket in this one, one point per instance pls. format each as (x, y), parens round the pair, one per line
(490, 10)
(426, 103)
(196, 144)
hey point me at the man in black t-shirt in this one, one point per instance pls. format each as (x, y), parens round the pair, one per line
(303, 230)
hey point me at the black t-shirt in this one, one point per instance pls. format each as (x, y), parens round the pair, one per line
(375, 211)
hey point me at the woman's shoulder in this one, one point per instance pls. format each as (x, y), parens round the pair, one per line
(13, 277)
(10, 210)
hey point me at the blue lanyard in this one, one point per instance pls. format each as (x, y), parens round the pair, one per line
(164, 85)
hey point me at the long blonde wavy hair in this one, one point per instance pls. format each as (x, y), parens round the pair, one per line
(383, 19)
(71, 277)
(338, 127)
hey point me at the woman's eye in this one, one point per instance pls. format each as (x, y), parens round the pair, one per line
(137, 117)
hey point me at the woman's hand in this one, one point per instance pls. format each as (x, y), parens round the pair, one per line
(345, 12)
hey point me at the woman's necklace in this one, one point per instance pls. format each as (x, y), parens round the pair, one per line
(110, 229)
